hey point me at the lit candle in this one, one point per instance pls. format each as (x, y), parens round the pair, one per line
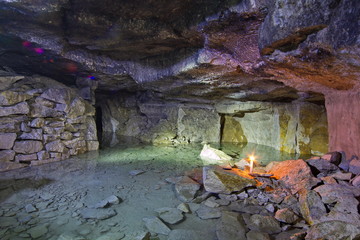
(252, 159)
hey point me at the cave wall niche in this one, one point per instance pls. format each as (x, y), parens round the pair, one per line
(296, 127)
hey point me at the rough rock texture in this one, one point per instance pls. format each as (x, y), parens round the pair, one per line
(311, 206)
(333, 230)
(217, 180)
(294, 174)
(196, 52)
(296, 127)
(50, 129)
(231, 226)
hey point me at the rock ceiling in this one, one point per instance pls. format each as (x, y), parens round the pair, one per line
(188, 50)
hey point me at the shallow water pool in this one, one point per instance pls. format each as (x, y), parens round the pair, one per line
(47, 201)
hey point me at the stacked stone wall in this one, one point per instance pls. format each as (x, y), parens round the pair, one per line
(41, 125)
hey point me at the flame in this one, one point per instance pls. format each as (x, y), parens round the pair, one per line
(252, 158)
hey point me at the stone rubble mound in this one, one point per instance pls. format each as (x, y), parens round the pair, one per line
(302, 199)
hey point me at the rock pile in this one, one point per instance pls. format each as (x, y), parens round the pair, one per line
(39, 125)
(312, 199)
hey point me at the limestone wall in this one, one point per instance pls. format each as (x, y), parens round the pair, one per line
(158, 122)
(296, 127)
(39, 125)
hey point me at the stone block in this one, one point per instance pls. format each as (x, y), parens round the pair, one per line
(25, 157)
(27, 147)
(10, 98)
(37, 123)
(34, 134)
(42, 155)
(55, 146)
(58, 95)
(77, 108)
(38, 110)
(7, 155)
(92, 145)
(20, 108)
(7, 140)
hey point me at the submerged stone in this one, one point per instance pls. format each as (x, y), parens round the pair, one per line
(100, 214)
(154, 224)
(186, 189)
(170, 215)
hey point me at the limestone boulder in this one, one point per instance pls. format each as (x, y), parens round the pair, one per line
(267, 224)
(294, 174)
(333, 230)
(218, 180)
(20, 108)
(58, 95)
(55, 146)
(34, 134)
(7, 140)
(204, 212)
(333, 157)
(311, 206)
(286, 215)
(42, 111)
(10, 97)
(7, 155)
(356, 181)
(211, 155)
(37, 123)
(27, 147)
(25, 158)
(77, 108)
(345, 210)
(186, 189)
(256, 235)
(322, 167)
(354, 166)
(231, 226)
(332, 193)
(92, 145)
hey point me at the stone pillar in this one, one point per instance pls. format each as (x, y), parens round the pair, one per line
(343, 111)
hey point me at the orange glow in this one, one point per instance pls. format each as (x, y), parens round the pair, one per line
(252, 158)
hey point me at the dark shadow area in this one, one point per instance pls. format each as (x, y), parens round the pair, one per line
(99, 127)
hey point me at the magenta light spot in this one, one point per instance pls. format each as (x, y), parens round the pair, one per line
(39, 50)
(26, 44)
(91, 77)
